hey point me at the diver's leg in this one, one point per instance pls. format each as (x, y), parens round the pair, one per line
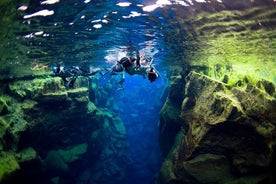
(66, 82)
(137, 60)
(72, 81)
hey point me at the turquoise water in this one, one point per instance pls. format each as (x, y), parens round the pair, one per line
(38, 35)
(140, 114)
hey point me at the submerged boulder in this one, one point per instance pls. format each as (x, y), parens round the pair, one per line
(230, 136)
(11, 164)
(8, 165)
(58, 135)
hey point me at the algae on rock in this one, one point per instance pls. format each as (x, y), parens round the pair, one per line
(57, 123)
(229, 128)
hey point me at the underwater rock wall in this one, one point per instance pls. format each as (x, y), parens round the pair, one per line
(49, 134)
(219, 133)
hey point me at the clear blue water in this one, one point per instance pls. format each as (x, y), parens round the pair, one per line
(138, 106)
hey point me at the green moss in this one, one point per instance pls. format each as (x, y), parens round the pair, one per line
(3, 106)
(4, 125)
(26, 155)
(28, 104)
(78, 92)
(91, 108)
(36, 88)
(238, 58)
(236, 44)
(8, 164)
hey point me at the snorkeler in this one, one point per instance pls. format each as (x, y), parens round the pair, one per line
(131, 65)
(134, 66)
(70, 74)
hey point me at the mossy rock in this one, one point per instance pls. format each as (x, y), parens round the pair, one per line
(25, 155)
(166, 173)
(204, 163)
(267, 86)
(3, 106)
(4, 125)
(74, 153)
(55, 163)
(169, 125)
(176, 92)
(91, 107)
(78, 92)
(34, 89)
(53, 97)
(28, 104)
(18, 125)
(8, 165)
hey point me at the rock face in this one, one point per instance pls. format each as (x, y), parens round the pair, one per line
(222, 133)
(47, 132)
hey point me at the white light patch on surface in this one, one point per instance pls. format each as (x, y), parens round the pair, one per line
(40, 13)
(191, 2)
(150, 8)
(22, 8)
(38, 33)
(159, 3)
(104, 21)
(132, 14)
(29, 35)
(124, 4)
(50, 2)
(200, 1)
(97, 26)
(94, 21)
(163, 2)
(181, 3)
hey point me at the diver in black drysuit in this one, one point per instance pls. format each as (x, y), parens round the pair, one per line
(134, 66)
(70, 74)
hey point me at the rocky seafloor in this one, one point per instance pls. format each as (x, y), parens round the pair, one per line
(50, 134)
(209, 132)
